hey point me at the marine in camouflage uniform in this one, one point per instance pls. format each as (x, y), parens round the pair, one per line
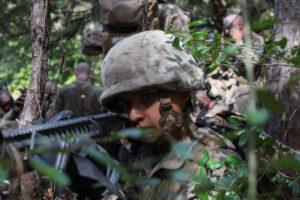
(165, 17)
(146, 78)
(81, 96)
(9, 109)
(235, 89)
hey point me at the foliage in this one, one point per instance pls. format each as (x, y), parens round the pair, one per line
(278, 167)
(277, 164)
(70, 19)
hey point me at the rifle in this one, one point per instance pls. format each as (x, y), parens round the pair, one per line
(94, 126)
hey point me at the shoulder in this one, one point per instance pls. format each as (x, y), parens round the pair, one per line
(68, 86)
(257, 39)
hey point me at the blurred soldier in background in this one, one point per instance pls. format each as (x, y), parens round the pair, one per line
(233, 88)
(6, 102)
(206, 106)
(120, 19)
(10, 109)
(81, 96)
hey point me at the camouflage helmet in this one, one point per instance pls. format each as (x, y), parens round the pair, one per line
(148, 60)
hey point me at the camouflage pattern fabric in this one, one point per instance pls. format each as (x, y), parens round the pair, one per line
(162, 16)
(121, 13)
(150, 164)
(172, 188)
(234, 89)
(91, 43)
(167, 68)
(172, 17)
(81, 97)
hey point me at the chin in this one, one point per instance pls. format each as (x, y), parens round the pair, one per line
(151, 139)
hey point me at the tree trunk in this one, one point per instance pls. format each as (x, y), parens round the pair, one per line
(40, 30)
(286, 127)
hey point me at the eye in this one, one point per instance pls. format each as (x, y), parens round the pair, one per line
(147, 96)
(124, 106)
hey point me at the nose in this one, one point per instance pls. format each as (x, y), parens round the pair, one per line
(136, 114)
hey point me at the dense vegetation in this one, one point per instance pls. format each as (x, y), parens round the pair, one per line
(71, 19)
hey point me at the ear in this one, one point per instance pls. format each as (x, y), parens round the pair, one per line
(186, 96)
(240, 25)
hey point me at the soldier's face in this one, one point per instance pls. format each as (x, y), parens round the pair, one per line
(5, 104)
(143, 109)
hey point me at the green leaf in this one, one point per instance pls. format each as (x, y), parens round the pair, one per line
(52, 173)
(187, 41)
(203, 161)
(146, 181)
(212, 68)
(243, 140)
(198, 22)
(295, 50)
(203, 172)
(273, 35)
(294, 78)
(295, 60)
(179, 175)
(235, 134)
(241, 171)
(265, 24)
(217, 37)
(202, 195)
(296, 188)
(205, 153)
(268, 100)
(3, 174)
(269, 149)
(288, 163)
(215, 165)
(233, 159)
(107, 160)
(235, 121)
(215, 55)
(281, 43)
(176, 42)
(231, 49)
(257, 117)
(182, 150)
(135, 133)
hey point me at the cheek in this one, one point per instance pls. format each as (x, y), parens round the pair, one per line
(153, 115)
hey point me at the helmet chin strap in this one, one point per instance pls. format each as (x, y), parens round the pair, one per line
(169, 117)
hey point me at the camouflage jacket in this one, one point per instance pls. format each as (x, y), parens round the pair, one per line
(235, 89)
(81, 97)
(169, 174)
(101, 39)
(171, 17)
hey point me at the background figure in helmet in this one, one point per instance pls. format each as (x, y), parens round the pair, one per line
(235, 89)
(146, 78)
(206, 106)
(81, 96)
(6, 102)
(10, 109)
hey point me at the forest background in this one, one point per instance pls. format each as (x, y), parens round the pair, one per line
(70, 19)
